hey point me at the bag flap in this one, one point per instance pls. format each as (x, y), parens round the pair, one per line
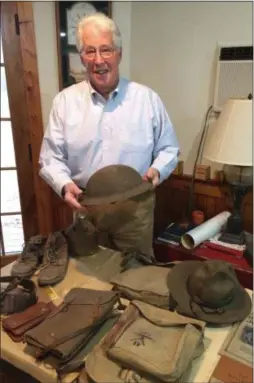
(83, 296)
(18, 319)
(164, 352)
(144, 279)
(146, 329)
(164, 318)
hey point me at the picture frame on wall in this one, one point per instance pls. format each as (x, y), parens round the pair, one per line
(68, 14)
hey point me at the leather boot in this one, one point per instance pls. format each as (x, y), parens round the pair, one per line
(55, 261)
(30, 258)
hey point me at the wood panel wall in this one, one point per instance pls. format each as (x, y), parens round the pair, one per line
(172, 201)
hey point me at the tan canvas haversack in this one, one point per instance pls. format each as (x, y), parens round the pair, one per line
(153, 343)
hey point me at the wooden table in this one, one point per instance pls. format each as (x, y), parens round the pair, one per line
(78, 276)
(168, 252)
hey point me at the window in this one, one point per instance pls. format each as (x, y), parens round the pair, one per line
(11, 225)
(26, 203)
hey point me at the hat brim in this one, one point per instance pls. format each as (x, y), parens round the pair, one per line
(117, 197)
(235, 311)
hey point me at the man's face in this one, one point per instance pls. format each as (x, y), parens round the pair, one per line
(101, 58)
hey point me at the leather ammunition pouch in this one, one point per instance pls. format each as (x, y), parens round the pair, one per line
(18, 295)
(16, 325)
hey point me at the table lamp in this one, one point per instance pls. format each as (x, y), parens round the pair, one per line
(229, 142)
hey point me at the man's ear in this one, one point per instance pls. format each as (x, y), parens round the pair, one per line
(82, 60)
(120, 55)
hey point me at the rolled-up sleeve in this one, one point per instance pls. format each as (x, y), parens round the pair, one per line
(53, 155)
(166, 146)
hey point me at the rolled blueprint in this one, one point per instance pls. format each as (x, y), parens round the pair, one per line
(203, 232)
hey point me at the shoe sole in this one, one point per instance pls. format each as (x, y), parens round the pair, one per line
(55, 281)
(23, 275)
(50, 283)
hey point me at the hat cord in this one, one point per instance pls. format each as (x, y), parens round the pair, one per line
(208, 305)
(195, 308)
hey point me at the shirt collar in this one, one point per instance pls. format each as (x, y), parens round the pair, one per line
(113, 94)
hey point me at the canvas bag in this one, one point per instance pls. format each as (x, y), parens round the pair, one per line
(128, 224)
(109, 370)
(146, 283)
(154, 341)
(67, 330)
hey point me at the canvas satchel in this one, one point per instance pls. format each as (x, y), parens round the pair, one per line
(110, 371)
(154, 341)
(146, 283)
(67, 330)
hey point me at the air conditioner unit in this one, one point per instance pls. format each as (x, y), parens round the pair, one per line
(233, 74)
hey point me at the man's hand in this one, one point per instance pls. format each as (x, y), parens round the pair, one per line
(71, 193)
(152, 175)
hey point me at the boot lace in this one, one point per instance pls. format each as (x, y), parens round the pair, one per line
(28, 251)
(53, 255)
(52, 252)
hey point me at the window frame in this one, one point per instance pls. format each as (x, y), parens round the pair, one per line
(2, 169)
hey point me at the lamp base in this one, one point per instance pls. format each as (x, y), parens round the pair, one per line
(234, 232)
(235, 239)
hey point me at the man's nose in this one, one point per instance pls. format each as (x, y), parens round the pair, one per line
(98, 58)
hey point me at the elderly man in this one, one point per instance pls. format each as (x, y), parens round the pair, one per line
(105, 120)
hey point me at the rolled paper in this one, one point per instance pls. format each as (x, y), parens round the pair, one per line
(205, 231)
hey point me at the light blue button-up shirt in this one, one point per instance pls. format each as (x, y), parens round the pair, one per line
(87, 132)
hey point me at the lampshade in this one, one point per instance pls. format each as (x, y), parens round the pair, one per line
(230, 138)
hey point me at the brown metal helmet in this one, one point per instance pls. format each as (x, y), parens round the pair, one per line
(113, 183)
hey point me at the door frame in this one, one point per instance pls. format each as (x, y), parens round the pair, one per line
(19, 49)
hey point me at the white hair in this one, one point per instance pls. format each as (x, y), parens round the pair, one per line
(101, 22)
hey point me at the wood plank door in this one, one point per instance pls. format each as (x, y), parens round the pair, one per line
(18, 208)
(20, 64)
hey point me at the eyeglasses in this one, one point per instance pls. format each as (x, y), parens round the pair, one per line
(105, 52)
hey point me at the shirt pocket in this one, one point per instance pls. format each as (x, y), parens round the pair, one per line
(135, 138)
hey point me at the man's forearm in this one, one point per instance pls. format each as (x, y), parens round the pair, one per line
(166, 162)
(55, 179)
